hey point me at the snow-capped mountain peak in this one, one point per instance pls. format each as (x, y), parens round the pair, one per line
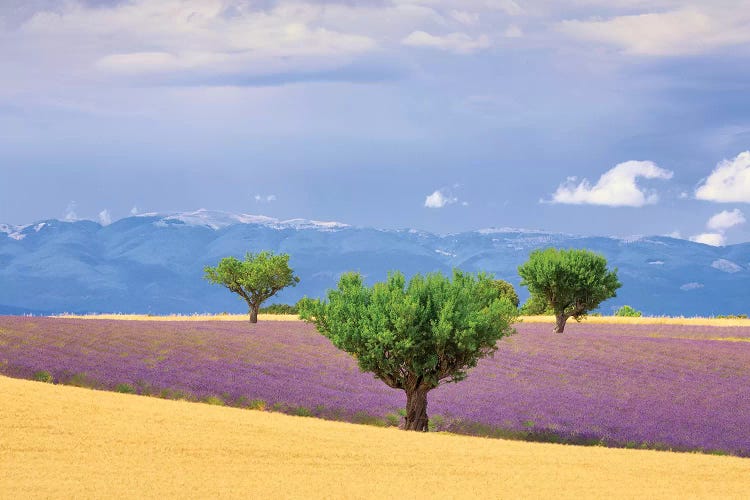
(218, 220)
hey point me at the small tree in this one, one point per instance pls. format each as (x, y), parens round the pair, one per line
(255, 279)
(414, 337)
(505, 289)
(629, 312)
(573, 281)
(536, 305)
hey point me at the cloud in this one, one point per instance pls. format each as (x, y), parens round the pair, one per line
(105, 219)
(264, 199)
(463, 17)
(729, 182)
(615, 188)
(719, 224)
(135, 210)
(458, 43)
(70, 212)
(149, 38)
(693, 30)
(725, 220)
(513, 31)
(439, 199)
(712, 239)
(691, 286)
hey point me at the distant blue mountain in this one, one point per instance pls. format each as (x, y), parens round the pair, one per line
(153, 263)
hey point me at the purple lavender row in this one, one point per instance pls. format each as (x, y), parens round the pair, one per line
(660, 385)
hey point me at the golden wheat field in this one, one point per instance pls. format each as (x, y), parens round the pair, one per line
(601, 320)
(63, 442)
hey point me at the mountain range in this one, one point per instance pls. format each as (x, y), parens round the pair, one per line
(153, 263)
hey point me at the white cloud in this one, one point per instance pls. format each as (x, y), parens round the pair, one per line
(691, 286)
(135, 210)
(513, 31)
(70, 212)
(264, 198)
(719, 224)
(458, 43)
(439, 199)
(105, 219)
(693, 30)
(615, 188)
(713, 239)
(216, 37)
(725, 220)
(463, 17)
(729, 182)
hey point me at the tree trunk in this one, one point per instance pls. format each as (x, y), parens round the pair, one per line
(254, 314)
(416, 409)
(560, 320)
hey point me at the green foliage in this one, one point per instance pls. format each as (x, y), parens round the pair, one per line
(394, 419)
(302, 411)
(279, 309)
(44, 376)
(573, 281)
(505, 289)
(536, 305)
(732, 316)
(125, 388)
(436, 423)
(629, 312)
(214, 400)
(256, 279)
(430, 331)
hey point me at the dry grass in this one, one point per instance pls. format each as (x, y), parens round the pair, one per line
(598, 320)
(650, 320)
(181, 317)
(59, 441)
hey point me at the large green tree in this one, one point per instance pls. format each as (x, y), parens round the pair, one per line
(414, 337)
(573, 281)
(256, 279)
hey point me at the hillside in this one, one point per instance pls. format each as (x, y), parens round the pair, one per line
(67, 441)
(153, 263)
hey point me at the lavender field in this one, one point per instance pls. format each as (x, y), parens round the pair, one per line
(657, 386)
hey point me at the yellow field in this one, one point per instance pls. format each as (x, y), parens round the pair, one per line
(602, 320)
(180, 317)
(647, 320)
(62, 442)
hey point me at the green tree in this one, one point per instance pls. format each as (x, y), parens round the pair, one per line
(627, 311)
(257, 278)
(414, 337)
(573, 281)
(536, 305)
(505, 289)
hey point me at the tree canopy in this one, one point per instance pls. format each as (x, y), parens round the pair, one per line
(414, 337)
(505, 289)
(536, 305)
(573, 281)
(255, 279)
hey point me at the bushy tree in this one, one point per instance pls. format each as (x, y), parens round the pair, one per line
(279, 309)
(627, 311)
(505, 289)
(256, 279)
(573, 281)
(414, 337)
(536, 305)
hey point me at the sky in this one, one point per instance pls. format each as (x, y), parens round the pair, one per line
(617, 117)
